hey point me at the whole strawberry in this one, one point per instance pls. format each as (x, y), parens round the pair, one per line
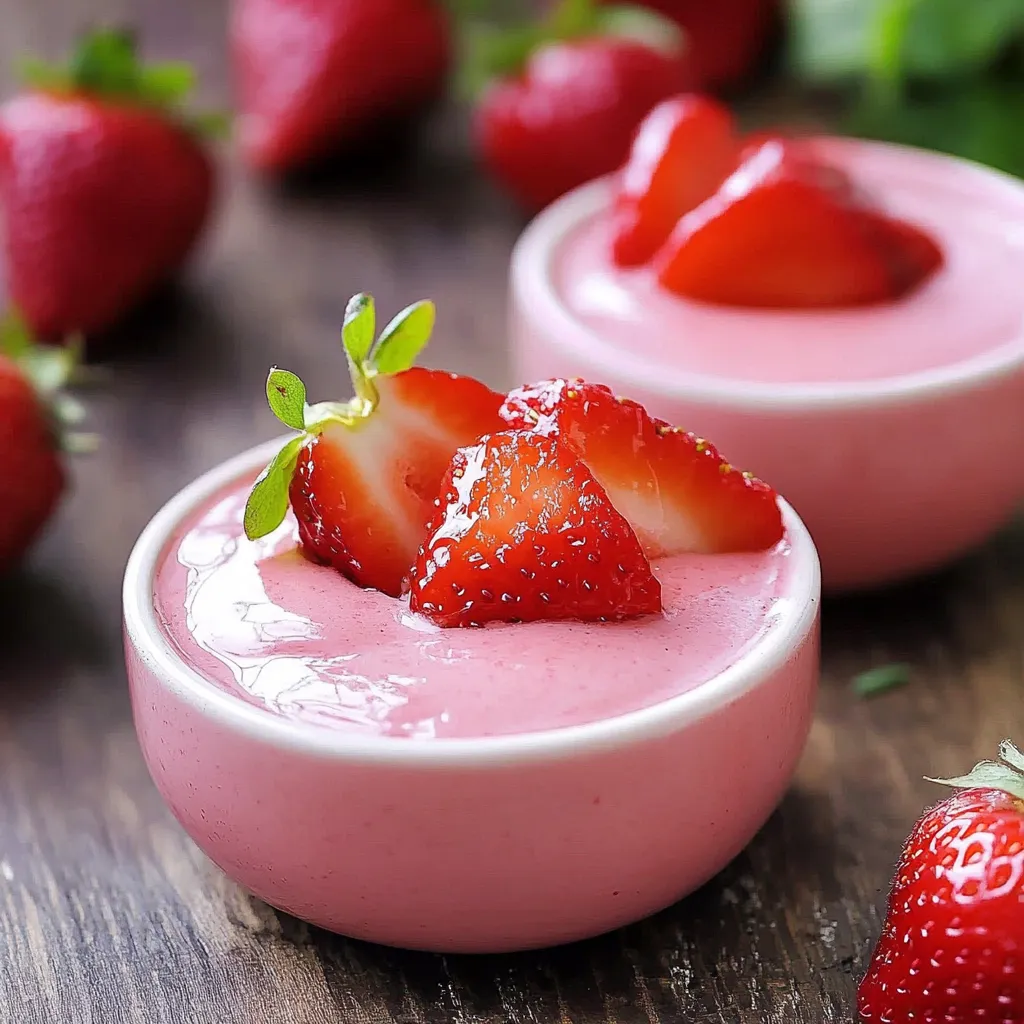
(312, 75)
(952, 948)
(103, 188)
(571, 95)
(33, 413)
(726, 37)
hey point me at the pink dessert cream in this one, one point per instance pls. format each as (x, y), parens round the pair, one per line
(299, 640)
(890, 417)
(511, 748)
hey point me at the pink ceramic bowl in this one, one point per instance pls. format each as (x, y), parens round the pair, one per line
(893, 476)
(471, 845)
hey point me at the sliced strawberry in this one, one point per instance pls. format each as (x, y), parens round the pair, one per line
(523, 531)
(912, 254)
(362, 476)
(683, 150)
(782, 232)
(675, 490)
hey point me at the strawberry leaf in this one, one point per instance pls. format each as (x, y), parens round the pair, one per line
(642, 26)
(1011, 755)
(404, 338)
(15, 336)
(1006, 774)
(268, 501)
(166, 85)
(287, 397)
(358, 328)
(105, 63)
(880, 680)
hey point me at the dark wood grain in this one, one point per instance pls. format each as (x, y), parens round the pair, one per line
(108, 914)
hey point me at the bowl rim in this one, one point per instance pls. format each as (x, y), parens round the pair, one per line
(531, 275)
(793, 626)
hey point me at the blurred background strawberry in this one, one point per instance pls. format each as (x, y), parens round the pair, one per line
(313, 75)
(104, 184)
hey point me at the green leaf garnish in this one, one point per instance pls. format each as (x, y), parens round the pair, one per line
(1006, 774)
(880, 680)
(268, 501)
(287, 397)
(404, 338)
(358, 328)
(395, 350)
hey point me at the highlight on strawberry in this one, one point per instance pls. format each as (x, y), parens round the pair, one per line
(362, 475)
(38, 421)
(761, 222)
(951, 945)
(104, 184)
(559, 515)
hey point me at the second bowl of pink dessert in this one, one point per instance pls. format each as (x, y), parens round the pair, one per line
(894, 428)
(552, 728)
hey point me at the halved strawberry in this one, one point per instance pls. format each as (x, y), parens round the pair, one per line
(522, 532)
(788, 232)
(675, 490)
(362, 476)
(775, 235)
(683, 150)
(912, 254)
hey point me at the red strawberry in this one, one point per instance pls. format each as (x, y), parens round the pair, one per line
(567, 112)
(523, 532)
(103, 189)
(362, 476)
(683, 150)
(727, 37)
(675, 490)
(32, 412)
(314, 74)
(781, 232)
(952, 947)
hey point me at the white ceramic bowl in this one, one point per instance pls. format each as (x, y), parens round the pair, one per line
(471, 844)
(892, 476)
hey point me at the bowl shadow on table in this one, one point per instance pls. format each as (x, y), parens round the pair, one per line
(37, 658)
(754, 919)
(178, 322)
(904, 618)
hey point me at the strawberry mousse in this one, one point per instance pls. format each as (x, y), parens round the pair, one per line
(827, 309)
(264, 622)
(450, 672)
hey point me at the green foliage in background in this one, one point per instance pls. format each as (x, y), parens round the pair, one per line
(944, 74)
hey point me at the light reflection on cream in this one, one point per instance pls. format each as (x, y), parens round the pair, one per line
(231, 616)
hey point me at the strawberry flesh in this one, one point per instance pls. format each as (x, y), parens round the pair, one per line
(675, 490)
(785, 232)
(362, 491)
(683, 150)
(952, 947)
(522, 532)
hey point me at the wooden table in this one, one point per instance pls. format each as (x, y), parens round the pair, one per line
(109, 914)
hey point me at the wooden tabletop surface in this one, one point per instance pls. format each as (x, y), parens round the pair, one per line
(109, 914)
